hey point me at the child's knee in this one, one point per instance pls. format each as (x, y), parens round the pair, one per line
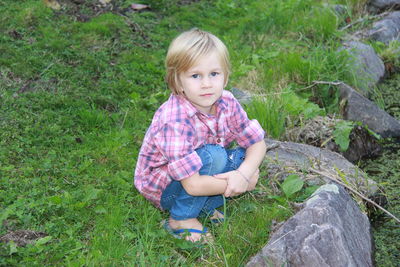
(213, 158)
(235, 158)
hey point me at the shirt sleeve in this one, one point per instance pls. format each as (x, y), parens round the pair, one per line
(248, 132)
(175, 142)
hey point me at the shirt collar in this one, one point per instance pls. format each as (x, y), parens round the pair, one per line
(192, 110)
(186, 105)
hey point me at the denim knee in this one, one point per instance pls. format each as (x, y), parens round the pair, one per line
(235, 158)
(214, 159)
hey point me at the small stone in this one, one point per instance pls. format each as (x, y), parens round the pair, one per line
(387, 29)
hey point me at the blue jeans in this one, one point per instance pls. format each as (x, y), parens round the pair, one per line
(215, 159)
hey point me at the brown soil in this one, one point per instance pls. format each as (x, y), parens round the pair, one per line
(22, 237)
(318, 132)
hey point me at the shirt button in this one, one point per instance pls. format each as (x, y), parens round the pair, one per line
(218, 140)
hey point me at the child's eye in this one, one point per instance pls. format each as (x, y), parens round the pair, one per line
(195, 76)
(214, 73)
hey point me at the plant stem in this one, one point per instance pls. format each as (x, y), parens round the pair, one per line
(355, 192)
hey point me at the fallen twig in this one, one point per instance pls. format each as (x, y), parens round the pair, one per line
(362, 20)
(354, 191)
(273, 243)
(314, 83)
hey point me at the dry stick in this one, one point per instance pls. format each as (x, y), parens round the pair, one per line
(123, 121)
(355, 192)
(273, 243)
(363, 19)
(314, 83)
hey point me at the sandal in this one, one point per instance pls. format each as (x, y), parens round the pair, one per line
(180, 233)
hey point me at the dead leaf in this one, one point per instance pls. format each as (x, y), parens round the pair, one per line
(139, 6)
(53, 4)
(104, 2)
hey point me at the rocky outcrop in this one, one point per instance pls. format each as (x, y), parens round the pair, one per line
(386, 29)
(356, 107)
(368, 67)
(329, 231)
(376, 6)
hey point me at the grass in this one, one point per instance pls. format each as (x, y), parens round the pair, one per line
(77, 95)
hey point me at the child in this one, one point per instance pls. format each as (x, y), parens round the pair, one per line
(183, 164)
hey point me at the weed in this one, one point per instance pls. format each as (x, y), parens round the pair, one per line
(341, 134)
(281, 110)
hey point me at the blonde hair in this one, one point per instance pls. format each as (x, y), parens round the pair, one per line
(186, 49)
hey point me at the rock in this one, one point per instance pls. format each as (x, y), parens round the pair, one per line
(387, 29)
(376, 6)
(339, 10)
(283, 158)
(358, 108)
(368, 67)
(363, 145)
(329, 231)
(244, 97)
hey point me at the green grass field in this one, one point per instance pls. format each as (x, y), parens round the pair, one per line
(78, 88)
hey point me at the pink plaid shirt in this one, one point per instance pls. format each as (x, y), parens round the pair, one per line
(177, 129)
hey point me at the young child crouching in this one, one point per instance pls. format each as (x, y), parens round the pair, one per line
(184, 166)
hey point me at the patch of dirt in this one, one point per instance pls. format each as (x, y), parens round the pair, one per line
(10, 80)
(15, 34)
(318, 132)
(85, 10)
(22, 237)
(106, 104)
(36, 84)
(187, 2)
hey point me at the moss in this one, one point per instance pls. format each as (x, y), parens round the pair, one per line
(385, 170)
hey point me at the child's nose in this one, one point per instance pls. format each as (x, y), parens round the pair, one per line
(206, 82)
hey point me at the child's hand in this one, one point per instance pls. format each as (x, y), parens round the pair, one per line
(237, 184)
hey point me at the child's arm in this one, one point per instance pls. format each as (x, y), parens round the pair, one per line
(204, 185)
(237, 184)
(230, 183)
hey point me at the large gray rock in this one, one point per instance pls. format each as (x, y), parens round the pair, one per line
(358, 108)
(283, 158)
(329, 231)
(244, 97)
(368, 68)
(387, 29)
(382, 5)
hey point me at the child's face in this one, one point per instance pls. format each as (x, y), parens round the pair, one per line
(203, 83)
